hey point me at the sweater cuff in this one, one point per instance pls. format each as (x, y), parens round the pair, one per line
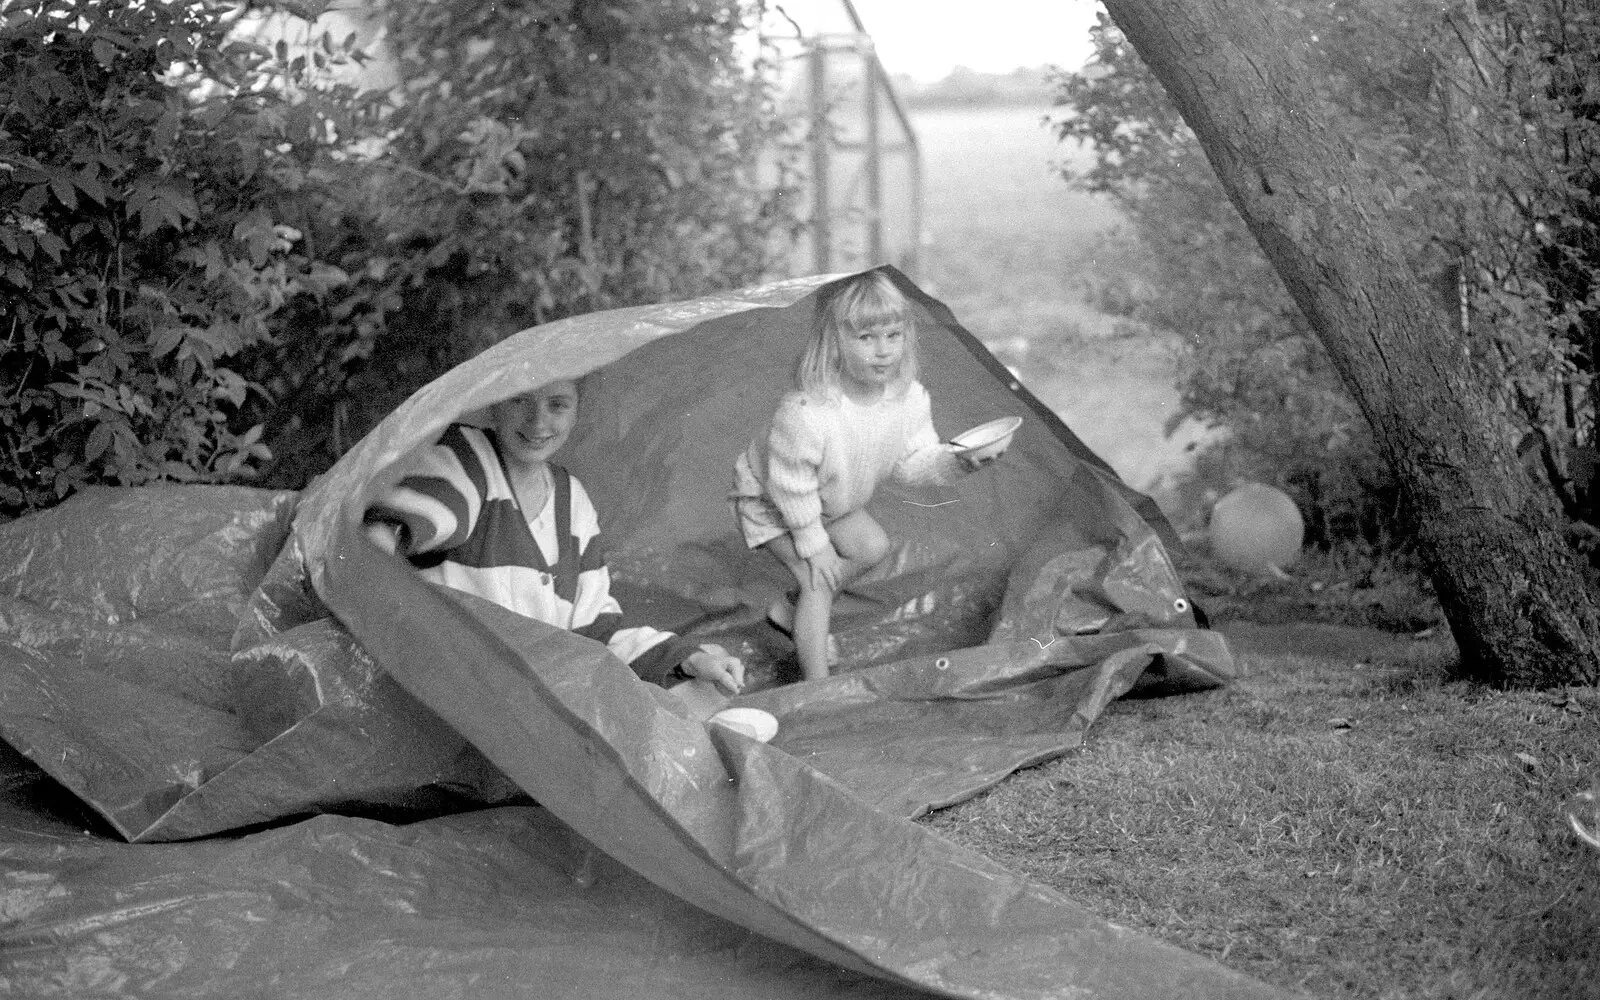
(810, 540)
(658, 663)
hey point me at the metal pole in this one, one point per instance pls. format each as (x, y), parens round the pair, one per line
(913, 256)
(913, 149)
(821, 209)
(871, 84)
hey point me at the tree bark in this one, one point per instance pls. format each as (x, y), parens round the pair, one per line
(1510, 586)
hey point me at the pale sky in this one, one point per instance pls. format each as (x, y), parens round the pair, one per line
(926, 39)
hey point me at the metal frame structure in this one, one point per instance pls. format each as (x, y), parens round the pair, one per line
(859, 142)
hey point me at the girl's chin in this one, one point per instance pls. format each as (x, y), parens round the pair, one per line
(871, 382)
(529, 457)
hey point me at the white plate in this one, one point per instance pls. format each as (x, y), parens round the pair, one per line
(753, 722)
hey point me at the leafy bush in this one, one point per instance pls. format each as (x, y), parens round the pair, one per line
(540, 160)
(220, 264)
(142, 247)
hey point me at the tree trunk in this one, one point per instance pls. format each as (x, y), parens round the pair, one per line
(1510, 586)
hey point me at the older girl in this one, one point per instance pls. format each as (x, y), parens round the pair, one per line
(487, 512)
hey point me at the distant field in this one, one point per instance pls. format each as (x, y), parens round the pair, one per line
(1000, 220)
(1011, 249)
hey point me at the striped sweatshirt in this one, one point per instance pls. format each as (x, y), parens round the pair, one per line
(459, 522)
(821, 459)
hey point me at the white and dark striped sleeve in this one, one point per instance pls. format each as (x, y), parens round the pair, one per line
(438, 501)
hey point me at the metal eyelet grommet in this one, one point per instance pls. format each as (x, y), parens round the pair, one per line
(1180, 605)
(942, 663)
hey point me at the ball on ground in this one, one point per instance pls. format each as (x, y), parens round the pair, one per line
(1256, 528)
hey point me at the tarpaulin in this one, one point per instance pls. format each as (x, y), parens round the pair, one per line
(313, 673)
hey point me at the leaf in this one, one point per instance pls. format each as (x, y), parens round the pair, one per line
(99, 441)
(89, 184)
(150, 218)
(1528, 760)
(162, 205)
(104, 52)
(222, 338)
(33, 199)
(167, 341)
(324, 277)
(52, 244)
(165, 132)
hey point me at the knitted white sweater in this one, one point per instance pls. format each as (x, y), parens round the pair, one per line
(822, 459)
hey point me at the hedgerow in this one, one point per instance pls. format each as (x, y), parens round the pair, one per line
(143, 245)
(223, 261)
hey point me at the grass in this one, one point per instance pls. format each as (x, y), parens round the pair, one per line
(1347, 818)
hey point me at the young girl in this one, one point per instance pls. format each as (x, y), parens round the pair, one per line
(486, 512)
(857, 416)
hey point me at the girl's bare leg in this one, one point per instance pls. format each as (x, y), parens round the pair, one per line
(813, 614)
(812, 611)
(862, 544)
(861, 541)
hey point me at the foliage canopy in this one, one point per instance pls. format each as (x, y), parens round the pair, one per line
(143, 251)
(223, 260)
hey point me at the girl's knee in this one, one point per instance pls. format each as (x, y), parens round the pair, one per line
(874, 549)
(860, 539)
(871, 546)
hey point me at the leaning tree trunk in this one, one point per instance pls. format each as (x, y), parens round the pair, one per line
(1511, 588)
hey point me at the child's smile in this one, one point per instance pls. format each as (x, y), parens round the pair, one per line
(532, 427)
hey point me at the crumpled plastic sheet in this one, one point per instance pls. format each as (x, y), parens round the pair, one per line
(188, 662)
(497, 903)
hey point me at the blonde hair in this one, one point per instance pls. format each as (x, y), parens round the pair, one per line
(865, 303)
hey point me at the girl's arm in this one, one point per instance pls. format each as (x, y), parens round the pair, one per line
(793, 473)
(654, 655)
(435, 506)
(927, 460)
(713, 663)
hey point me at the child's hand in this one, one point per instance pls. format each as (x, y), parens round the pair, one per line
(827, 570)
(384, 536)
(713, 663)
(971, 464)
